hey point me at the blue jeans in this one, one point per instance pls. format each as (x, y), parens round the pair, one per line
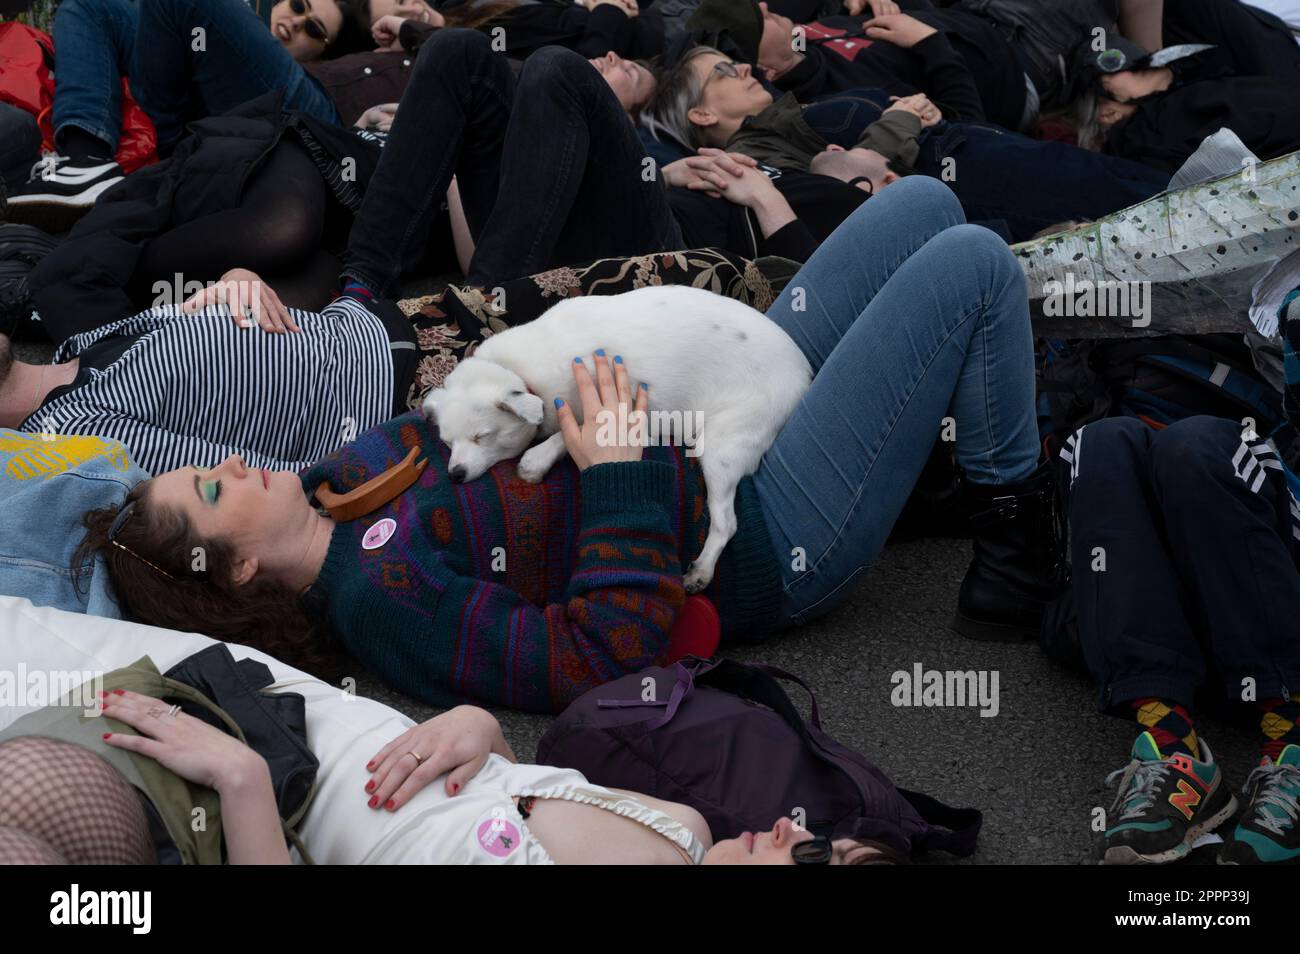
(93, 42)
(907, 315)
(153, 41)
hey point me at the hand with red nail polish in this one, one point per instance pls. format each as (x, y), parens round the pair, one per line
(206, 756)
(456, 744)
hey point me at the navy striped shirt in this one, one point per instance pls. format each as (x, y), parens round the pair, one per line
(193, 389)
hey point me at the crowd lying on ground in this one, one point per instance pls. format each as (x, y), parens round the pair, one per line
(856, 172)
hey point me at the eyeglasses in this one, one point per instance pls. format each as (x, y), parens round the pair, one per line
(118, 522)
(313, 27)
(815, 851)
(721, 68)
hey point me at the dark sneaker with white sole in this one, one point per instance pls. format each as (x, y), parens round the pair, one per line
(1163, 804)
(1268, 832)
(59, 181)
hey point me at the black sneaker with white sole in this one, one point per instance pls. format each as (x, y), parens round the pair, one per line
(59, 181)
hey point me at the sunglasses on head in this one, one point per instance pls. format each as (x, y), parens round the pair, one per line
(119, 521)
(312, 27)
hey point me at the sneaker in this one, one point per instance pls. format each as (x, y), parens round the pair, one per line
(21, 248)
(1163, 805)
(1267, 832)
(56, 180)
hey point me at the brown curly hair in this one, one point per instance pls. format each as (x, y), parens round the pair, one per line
(195, 590)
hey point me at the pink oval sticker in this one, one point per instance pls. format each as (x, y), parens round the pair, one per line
(379, 534)
(497, 836)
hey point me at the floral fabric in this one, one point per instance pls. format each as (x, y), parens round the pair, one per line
(450, 324)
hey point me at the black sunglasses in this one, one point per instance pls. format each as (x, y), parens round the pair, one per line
(815, 851)
(313, 27)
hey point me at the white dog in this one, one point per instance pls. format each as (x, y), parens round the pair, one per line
(703, 355)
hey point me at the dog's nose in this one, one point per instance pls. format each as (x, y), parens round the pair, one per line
(457, 474)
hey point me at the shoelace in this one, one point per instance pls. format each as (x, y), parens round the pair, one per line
(46, 166)
(1272, 780)
(1137, 788)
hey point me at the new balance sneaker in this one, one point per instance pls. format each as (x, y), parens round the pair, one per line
(1163, 804)
(56, 180)
(1266, 833)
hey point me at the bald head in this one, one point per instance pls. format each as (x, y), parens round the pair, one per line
(849, 164)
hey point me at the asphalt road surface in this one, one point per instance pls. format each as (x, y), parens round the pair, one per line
(1035, 768)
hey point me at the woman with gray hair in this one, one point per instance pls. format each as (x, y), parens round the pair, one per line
(1015, 184)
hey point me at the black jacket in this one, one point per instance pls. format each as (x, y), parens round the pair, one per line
(84, 282)
(529, 27)
(967, 68)
(360, 80)
(1167, 127)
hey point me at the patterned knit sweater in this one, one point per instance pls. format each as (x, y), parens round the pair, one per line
(526, 595)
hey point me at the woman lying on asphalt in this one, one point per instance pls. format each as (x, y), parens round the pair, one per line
(87, 813)
(594, 578)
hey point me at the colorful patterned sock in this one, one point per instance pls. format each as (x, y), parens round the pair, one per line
(1279, 721)
(358, 290)
(1169, 724)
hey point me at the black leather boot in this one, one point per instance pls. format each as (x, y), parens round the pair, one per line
(1019, 564)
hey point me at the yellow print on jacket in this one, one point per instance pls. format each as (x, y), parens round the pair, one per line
(47, 455)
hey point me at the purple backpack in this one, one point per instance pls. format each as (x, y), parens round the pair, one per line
(723, 737)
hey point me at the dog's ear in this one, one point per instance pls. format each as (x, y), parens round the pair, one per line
(430, 406)
(526, 407)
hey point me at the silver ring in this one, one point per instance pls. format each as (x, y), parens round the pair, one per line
(173, 710)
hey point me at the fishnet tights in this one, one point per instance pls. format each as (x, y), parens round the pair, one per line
(62, 804)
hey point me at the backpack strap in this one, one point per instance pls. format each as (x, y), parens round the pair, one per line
(814, 713)
(682, 687)
(758, 683)
(954, 830)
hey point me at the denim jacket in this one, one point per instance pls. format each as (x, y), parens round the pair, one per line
(47, 482)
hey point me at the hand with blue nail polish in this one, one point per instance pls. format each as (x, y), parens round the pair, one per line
(613, 427)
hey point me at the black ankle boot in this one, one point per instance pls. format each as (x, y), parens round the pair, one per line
(1019, 564)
